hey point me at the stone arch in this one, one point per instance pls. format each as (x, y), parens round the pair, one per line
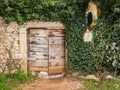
(93, 8)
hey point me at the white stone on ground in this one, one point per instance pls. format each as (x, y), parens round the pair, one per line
(92, 77)
(46, 76)
(109, 77)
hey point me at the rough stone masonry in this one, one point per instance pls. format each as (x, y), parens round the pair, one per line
(13, 43)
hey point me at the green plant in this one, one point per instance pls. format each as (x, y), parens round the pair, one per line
(12, 81)
(21, 76)
(105, 47)
(4, 86)
(5, 83)
(105, 85)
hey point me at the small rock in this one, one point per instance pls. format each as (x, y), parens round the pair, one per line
(81, 77)
(76, 74)
(43, 74)
(109, 77)
(55, 76)
(92, 77)
(68, 75)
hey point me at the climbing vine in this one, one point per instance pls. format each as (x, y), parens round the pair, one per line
(89, 57)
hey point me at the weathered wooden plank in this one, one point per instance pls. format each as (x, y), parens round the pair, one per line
(38, 55)
(53, 48)
(57, 33)
(56, 70)
(38, 33)
(56, 40)
(56, 62)
(38, 63)
(56, 57)
(56, 50)
(40, 48)
(51, 30)
(37, 40)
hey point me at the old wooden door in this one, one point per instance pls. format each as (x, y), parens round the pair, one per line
(46, 50)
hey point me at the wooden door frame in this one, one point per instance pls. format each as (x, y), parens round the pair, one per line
(23, 36)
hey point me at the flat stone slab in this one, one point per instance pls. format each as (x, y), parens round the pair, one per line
(45, 75)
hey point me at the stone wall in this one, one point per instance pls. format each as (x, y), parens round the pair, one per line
(10, 56)
(13, 43)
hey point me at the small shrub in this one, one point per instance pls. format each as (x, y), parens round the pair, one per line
(31, 76)
(4, 83)
(21, 76)
(4, 86)
(3, 78)
(18, 75)
(105, 85)
(12, 80)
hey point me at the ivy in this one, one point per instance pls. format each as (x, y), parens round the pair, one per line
(92, 57)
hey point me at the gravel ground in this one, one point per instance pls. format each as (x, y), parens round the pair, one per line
(53, 84)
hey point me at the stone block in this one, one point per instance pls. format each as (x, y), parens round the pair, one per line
(23, 40)
(3, 28)
(22, 31)
(92, 77)
(1, 56)
(24, 65)
(40, 24)
(4, 61)
(19, 55)
(1, 51)
(13, 26)
(0, 64)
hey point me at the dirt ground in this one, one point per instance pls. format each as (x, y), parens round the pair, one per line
(53, 84)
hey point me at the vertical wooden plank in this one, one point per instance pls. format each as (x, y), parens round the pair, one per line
(56, 52)
(38, 48)
(39, 33)
(38, 63)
